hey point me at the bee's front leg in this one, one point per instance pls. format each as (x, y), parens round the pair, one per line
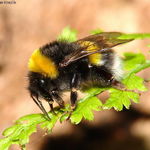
(50, 102)
(57, 98)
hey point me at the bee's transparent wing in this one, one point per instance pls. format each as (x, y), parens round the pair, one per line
(97, 43)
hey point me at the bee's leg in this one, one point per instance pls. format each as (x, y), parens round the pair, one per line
(73, 98)
(50, 102)
(58, 99)
(120, 86)
(73, 94)
(51, 105)
(117, 84)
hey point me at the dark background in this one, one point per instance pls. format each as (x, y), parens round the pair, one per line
(27, 25)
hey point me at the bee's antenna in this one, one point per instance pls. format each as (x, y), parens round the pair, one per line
(40, 105)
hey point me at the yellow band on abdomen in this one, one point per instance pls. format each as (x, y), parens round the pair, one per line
(94, 59)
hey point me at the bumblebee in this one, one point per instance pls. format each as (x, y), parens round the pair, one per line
(70, 66)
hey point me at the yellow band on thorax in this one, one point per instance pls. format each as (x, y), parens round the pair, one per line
(42, 64)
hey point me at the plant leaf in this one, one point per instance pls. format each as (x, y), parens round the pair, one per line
(20, 132)
(119, 98)
(132, 60)
(68, 35)
(96, 31)
(86, 106)
(134, 36)
(134, 82)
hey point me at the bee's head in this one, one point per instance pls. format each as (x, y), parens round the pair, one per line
(39, 86)
(42, 70)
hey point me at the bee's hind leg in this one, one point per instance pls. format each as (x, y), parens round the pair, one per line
(120, 86)
(117, 84)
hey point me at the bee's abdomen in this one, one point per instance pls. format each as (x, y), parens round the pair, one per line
(113, 63)
(103, 74)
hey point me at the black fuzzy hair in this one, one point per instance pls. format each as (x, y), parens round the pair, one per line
(58, 50)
